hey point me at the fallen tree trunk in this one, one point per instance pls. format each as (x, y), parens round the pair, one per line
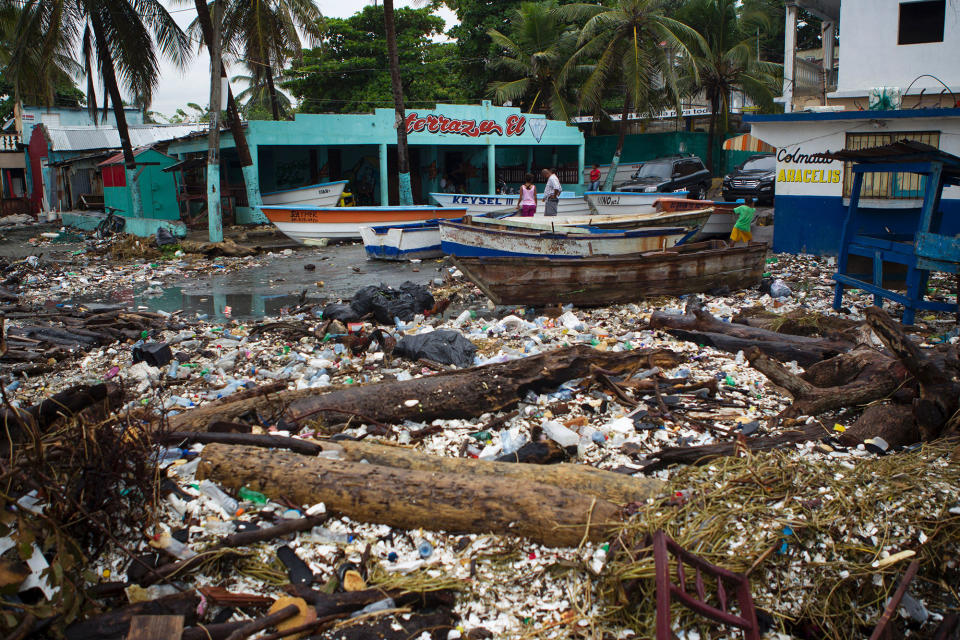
(931, 409)
(65, 404)
(454, 502)
(606, 485)
(457, 394)
(697, 325)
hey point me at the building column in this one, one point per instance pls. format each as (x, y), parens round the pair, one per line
(828, 35)
(581, 164)
(491, 168)
(384, 186)
(789, 55)
(251, 178)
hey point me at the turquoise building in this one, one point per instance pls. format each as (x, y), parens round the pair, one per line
(472, 146)
(158, 189)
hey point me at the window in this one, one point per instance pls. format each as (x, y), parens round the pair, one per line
(921, 22)
(887, 186)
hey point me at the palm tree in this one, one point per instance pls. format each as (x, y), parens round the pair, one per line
(403, 154)
(264, 34)
(256, 98)
(35, 78)
(635, 44)
(539, 54)
(118, 40)
(726, 61)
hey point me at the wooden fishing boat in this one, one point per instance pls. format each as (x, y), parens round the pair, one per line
(598, 281)
(489, 237)
(569, 204)
(412, 241)
(625, 202)
(720, 223)
(694, 219)
(324, 194)
(303, 223)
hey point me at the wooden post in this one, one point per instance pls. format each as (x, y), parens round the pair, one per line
(214, 216)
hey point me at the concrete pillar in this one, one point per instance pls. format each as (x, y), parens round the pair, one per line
(789, 55)
(251, 177)
(384, 185)
(581, 165)
(491, 168)
(828, 35)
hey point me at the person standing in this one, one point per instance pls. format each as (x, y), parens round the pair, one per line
(527, 204)
(595, 178)
(551, 193)
(741, 228)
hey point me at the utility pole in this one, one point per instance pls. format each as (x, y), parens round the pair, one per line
(214, 216)
(403, 155)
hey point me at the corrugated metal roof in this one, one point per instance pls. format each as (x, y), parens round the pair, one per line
(85, 138)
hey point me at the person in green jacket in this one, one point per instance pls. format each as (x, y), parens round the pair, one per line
(741, 228)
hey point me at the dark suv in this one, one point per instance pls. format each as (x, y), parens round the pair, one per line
(674, 173)
(754, 178)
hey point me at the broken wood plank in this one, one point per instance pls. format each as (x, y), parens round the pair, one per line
(155, 627)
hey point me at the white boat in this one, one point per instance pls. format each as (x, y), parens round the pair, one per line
(304, 223)
(325, 194)
(569, 204)
(412, 241)
(625, 202)
(471, 238)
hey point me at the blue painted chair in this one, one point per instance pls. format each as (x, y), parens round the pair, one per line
(921, 251)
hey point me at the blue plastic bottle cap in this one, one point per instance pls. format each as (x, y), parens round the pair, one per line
(392, 556)
(425, 549)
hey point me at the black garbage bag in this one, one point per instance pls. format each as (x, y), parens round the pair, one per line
(387, 303)
(164, 237)
(342, 312)
(443, 345)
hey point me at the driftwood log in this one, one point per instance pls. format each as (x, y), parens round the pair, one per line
(409, 499)
(907, 396)
(697, 325)
(65, 404)
(465, 393)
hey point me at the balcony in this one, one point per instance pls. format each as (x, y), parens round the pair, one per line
(9, 142)
(808, 78)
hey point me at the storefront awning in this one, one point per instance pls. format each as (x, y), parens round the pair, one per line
(747, 142)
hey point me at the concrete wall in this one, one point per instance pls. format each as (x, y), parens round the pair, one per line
(647, 146)
(810, 207)
(870, 56)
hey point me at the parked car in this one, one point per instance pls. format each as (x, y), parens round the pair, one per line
(754, 178)
(674, 173)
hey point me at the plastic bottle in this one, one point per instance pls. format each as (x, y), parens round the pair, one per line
(187, 469)
(172, 546)
(251, 496)
(462, 318)
(13, 386)
(215, 493)
(173, 369)
(322, 534)
(560, 434)
(379, 605)
(511, 440)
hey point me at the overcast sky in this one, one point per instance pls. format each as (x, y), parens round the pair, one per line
(177, 88)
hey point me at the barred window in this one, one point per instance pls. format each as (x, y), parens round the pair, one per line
(887, 186)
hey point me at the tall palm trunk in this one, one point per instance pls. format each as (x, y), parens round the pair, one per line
(251, 178)
(113, 90)
(712, 135)
(403, 155)
(274, 101)
(612, 174)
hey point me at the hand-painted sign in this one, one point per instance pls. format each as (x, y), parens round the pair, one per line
(500, 201)
(439, 123)
(805, 173)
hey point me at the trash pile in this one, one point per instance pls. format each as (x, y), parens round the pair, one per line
(416, 463)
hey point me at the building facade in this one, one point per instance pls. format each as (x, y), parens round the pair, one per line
(890, 48)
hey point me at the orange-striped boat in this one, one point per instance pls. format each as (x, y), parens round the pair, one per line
(304, 223)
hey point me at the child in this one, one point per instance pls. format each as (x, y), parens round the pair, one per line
(595, 178)
(527, 204)
(741, 229)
